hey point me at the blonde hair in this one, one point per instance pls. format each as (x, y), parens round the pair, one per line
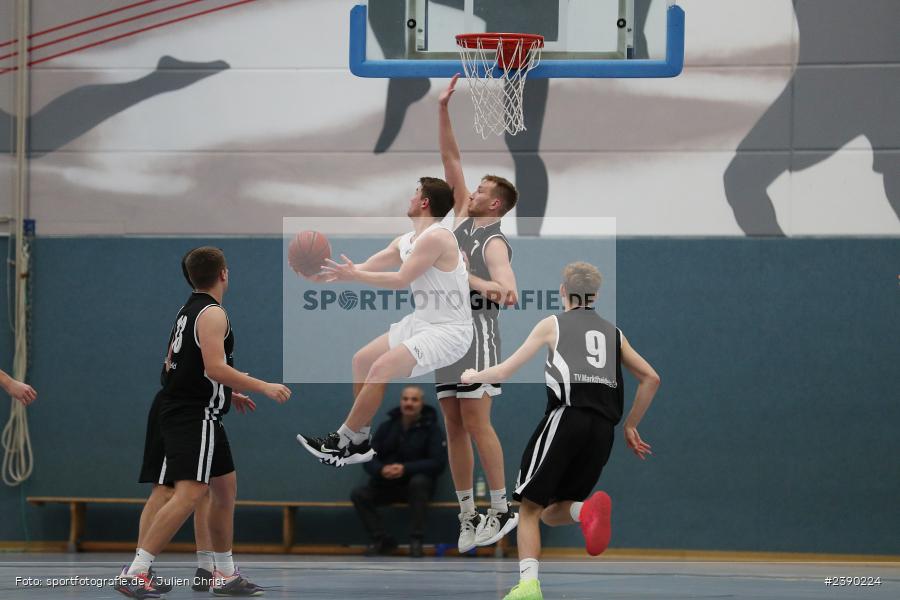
(582, 282)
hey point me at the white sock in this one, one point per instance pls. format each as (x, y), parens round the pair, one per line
(466, 500)
(141, 563)
(348, 436)
(575, 511)
(366, 430)
(528, 569)
(206, 560)
(224, 563)
(498, 500)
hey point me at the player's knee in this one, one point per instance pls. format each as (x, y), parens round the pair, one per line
(379, 372)
(223, 492)
(191, 494)
(547, 515)
(477, 425)
(454, 425)
(530, 509)
(360, 362)
(163, 492)
(457, 434)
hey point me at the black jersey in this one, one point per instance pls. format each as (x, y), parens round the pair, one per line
(584, 368)
(187, 390)
(472, 241)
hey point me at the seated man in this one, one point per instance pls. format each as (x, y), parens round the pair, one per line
(410, 454)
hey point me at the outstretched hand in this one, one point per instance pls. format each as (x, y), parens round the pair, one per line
(444, 98)
(637, 445)
(338, 271)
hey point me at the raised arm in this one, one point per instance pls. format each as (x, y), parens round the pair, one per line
(453, 172)
(648, 383)
(428, 249)
(212, 325)
(385, 259)
(543, 335)
(502, 286)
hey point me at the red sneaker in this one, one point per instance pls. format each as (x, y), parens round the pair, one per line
(595, 522)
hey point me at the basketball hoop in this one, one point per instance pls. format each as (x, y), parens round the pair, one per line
(496, 66)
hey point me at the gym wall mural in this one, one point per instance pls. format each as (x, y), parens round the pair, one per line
(222, 117)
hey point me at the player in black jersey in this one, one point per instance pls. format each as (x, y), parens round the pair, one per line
(196, 393)
(152, 472)
(563, 461)
(467, 408)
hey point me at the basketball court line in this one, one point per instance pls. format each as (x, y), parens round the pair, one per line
(378, 579)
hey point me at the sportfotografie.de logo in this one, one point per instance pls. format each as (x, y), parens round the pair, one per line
(374, 300)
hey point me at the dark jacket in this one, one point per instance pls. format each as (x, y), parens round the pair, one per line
(420, 449)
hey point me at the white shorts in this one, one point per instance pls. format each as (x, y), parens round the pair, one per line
(433, 345)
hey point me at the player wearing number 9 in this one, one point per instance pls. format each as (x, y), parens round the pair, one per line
(563, 461)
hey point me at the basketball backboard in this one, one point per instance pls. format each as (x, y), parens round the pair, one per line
(583, 38)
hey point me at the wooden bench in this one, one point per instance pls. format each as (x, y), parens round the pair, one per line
(78, 510)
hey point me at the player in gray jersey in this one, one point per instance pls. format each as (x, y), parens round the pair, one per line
(568, 450)
(467, 408)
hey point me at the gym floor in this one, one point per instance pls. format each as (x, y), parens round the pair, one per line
(474, 579)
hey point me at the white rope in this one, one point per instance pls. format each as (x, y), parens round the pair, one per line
(497, 100)
(18, 459)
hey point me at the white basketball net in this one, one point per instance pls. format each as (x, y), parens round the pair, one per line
(497, 90)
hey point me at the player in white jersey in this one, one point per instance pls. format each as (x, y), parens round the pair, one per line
(436, 334)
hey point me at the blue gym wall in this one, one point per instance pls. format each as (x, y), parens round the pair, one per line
(774, 429)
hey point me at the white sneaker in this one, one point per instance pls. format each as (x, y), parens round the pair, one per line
(495, 525)
(469, 523)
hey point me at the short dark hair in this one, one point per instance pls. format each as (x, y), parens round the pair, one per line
(439, 194)
(582, 281)
(505, 190)
(184, 270)
(203, 266)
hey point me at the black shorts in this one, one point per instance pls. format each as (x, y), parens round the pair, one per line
(484, 352)
(565, 456)
(195, 450)
(154, 452)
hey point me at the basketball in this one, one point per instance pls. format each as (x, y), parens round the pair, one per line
(307, 253)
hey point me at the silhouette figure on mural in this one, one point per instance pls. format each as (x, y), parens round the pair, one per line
(822, 109)
(78, 111)
(531, 16)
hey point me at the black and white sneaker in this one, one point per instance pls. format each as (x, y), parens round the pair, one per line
(469, 524)
(235, 586)
(136, 586)
(163, 586)
(495, 526)
(329, 452)
(202, 581)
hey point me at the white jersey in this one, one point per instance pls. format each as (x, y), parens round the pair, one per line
(439, 296)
